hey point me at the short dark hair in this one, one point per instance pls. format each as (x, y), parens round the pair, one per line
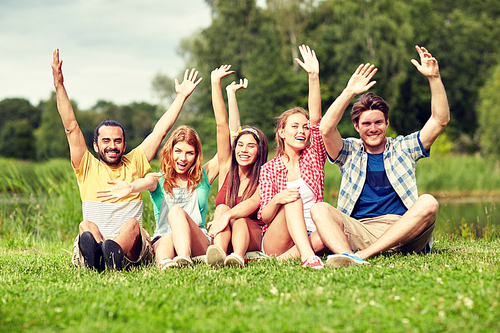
(108, 122)
(369, 101)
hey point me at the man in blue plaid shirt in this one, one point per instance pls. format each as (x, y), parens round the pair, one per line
(378, 207)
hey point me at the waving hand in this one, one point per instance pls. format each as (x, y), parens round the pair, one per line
(429, 65)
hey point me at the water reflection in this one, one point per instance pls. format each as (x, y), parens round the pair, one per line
(462, 215)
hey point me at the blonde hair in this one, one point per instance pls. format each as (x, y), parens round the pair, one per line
(280, 124)
(181, 134)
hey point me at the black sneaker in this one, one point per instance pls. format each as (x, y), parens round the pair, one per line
(113, 254)
(91, 251)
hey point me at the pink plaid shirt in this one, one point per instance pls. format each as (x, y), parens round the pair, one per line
(273, 174)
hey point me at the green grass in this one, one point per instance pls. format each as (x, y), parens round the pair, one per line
(457, 288)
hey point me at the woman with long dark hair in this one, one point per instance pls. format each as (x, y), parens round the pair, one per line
(235, 221)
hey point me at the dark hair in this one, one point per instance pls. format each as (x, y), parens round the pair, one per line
(108, 122)
(366, 102)
(233, 177)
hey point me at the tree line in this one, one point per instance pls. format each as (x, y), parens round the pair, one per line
(261, 43)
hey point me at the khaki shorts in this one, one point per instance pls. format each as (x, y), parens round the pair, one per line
(362, 233)
(145, 256)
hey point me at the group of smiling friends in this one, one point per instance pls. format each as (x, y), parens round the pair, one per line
(275, 207)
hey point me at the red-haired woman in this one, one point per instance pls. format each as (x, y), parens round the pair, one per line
(180, 198)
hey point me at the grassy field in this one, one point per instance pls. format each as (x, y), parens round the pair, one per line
(456, 288)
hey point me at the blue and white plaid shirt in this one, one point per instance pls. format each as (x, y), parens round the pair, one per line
(400, 161)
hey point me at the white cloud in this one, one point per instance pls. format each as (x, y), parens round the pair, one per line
(111, 49)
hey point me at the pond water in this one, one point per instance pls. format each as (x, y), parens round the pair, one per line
(472, 215)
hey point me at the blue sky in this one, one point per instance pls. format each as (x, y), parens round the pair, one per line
(111, 49)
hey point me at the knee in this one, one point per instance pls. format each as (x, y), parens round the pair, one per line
(132, 226)
(85, 225)
(322, 209)
(174, 213)
(238, 223)
(430, 203)
(221, 209)
(430, 206)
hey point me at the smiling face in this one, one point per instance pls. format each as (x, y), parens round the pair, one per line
(295, 133)
(372, 129)
(183, 155)
(110, 145)
(246, 150)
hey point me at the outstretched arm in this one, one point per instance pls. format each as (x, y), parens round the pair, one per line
(183, 90)
(440, 111)
(234, 113)
(223, 135)
(77, 145)
(243, 209)
(122, 189)
(358, 84)
(311, 65)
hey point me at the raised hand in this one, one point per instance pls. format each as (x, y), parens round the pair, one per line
(360, 80)
(310, 63)
(57, 69)
(218, 73)
(233, 87)
(120, 190)
(189, 83)
(429, 65)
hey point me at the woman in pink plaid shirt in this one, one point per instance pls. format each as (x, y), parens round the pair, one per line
(293, 181)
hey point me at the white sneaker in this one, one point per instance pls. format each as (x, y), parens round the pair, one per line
(215, 256)
(183, 261)
(234, 260)
(166, 264)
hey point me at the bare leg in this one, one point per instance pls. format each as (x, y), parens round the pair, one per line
(223, 238)
(288, 228)
(330, 227)
(87, 225)
(316, 244)
(129, 239)
(187, 237)
(164, 248)
(419, 217)
(246, 235)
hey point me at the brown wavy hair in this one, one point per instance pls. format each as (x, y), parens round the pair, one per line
(233, 176)
(280, 124)
(369, 101)
(181, 134)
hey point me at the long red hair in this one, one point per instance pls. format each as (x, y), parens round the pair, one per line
(181, 134)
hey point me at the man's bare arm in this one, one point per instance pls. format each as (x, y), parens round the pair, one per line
(77, 145)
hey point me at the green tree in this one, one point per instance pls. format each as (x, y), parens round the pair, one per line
(463, 34)
(50, 137)
(18, 120)
(489, 114)
(260, 44)
(17, 141)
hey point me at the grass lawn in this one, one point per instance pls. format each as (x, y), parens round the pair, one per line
(457, 288)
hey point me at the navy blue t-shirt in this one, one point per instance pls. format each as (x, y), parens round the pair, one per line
(378, 196)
